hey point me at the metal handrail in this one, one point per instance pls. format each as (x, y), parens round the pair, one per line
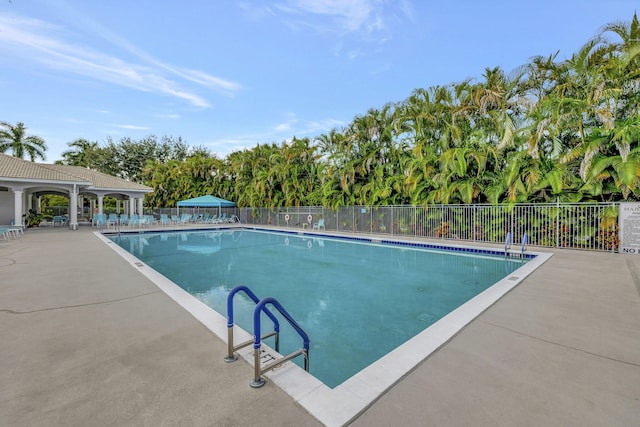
(507, 243)
(258, 381)
(231, 357)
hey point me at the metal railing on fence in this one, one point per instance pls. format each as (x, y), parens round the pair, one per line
(589, 226)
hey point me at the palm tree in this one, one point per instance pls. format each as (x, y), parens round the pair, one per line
(83, 153)
(500, 104)
(14, 138)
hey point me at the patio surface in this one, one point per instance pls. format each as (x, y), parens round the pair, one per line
(86, 340)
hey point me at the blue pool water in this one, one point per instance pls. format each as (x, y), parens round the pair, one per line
(356, 300)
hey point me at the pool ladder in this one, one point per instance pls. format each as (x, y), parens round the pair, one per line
(507, 244)
(261, 306)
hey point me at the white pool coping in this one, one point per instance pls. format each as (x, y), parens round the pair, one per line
(338, 406)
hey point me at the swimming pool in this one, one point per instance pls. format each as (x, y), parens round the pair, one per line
(357, 299)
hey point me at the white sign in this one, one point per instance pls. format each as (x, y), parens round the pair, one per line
(629, 226)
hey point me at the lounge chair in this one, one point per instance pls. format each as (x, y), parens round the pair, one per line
(124, 219)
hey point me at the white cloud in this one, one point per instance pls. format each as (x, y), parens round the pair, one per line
(354, 15)
(366, 19)
(283, 127)
(168, 116)
(358, 23)
(133, 127)
(288, 124)
(37, 41)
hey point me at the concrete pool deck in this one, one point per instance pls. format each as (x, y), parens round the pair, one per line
(86, 340)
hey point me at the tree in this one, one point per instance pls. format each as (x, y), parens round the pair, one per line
(15, 138)
(127, 158)
(83, 153)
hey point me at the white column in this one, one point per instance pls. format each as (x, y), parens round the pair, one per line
(100, 200)
(17, 208)
(140, 207)
(29, 202)
(80, 204)
(39, 205)
(73, 204)
(118, 206)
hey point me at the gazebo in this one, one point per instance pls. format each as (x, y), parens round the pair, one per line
(22, 183)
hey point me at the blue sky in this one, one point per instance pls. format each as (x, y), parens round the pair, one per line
(231, 74)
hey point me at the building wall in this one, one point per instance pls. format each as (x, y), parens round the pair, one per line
(6, 207)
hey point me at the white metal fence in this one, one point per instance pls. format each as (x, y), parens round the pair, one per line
(590, 226)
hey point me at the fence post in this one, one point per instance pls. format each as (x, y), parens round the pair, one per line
(618, 237)
(393, 208)
(511, 223)
(370, 220)
(353, 217)
(557, 222)
(473, 222)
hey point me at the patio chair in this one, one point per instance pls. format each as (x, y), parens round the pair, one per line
(143, 220)
(99, 220)
(150, 220)
(134, 220)
(16, 230)
(164, 219)
(124, 219)
(318, 225)
(7, 233)
(112, 219)
(58, 220)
